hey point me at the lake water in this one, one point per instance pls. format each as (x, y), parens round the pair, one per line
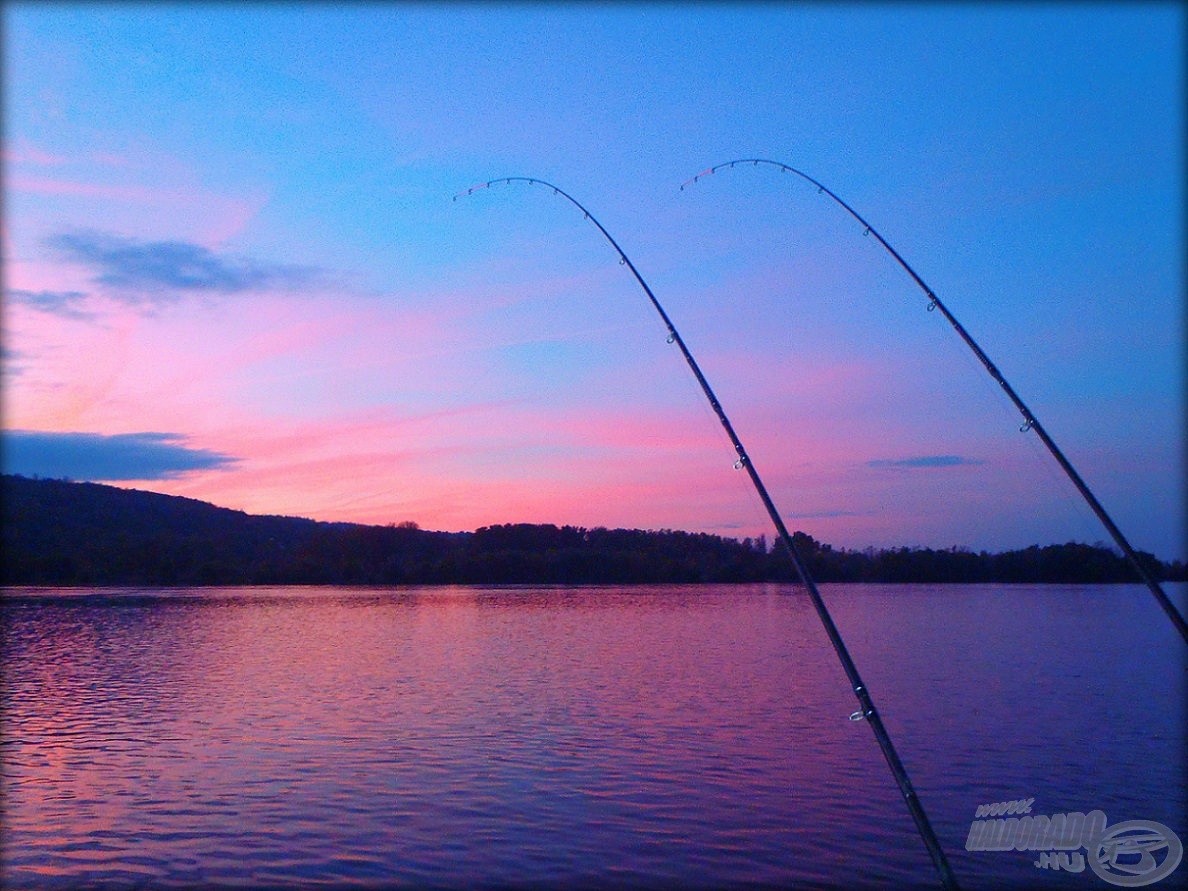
(659, 736)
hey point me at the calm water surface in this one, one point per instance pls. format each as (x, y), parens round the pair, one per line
(666, 736)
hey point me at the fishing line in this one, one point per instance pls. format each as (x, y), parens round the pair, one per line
(867, 710)
(1030, 422)
(1027, 461)
(1034, 470)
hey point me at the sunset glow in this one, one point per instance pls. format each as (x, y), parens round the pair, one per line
(234, 270)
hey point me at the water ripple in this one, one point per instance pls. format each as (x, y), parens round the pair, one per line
(535, 737)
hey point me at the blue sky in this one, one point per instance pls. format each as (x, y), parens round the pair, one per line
(229, 230)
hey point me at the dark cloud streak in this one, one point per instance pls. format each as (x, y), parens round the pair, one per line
(99, 458)
(58, 303)
(156, 270)
(823, 514)
(923, 461)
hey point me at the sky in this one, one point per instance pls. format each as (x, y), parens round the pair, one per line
(241, 264)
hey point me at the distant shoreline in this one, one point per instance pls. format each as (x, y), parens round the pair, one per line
(58, 533)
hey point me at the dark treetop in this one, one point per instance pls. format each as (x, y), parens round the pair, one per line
(57, 532)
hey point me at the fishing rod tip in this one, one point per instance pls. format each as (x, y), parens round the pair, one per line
(471, 190)
(690, 182)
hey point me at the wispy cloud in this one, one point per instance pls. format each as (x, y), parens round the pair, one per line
(28, 154)
(67, 304)
(924, 461)
(94, 456)
(154, 270)
(824, 514)
(12, 360)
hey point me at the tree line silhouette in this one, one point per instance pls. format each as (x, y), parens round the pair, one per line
(57, 532)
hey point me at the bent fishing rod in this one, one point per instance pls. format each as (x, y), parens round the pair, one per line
(1030, 422)
(867, 711)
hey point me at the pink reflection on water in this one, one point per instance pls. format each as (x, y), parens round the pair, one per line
(466, 735)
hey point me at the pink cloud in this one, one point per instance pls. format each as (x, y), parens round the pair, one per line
(285, 387)
(42, 185)
(27, 154)
(495, 463)
(144, 188)
(209, 217)
(449, 469)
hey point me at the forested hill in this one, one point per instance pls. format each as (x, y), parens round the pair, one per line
(57, 532)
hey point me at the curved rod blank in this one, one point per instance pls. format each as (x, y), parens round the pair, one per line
(1029, 420)
(867, 711)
